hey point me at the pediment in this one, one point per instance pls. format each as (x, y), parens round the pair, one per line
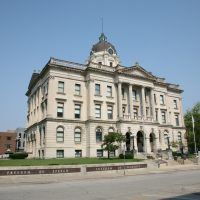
(137, 71)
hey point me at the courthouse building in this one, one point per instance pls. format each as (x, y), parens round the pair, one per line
(72, 106)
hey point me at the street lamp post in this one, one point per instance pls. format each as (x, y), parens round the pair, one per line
(195, 146)
(124, 158)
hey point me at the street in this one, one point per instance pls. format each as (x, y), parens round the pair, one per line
(168, 185)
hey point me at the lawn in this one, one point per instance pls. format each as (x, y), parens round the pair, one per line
(65, 161)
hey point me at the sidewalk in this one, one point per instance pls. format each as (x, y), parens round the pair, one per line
(54, 178)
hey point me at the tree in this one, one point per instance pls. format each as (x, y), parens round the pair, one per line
(195, 111)
(112, 141)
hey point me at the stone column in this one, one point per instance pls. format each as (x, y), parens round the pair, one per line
(147, 145)
(131, 101)
(120, 100)
(152, 104)
(143, 103)
(135, 143)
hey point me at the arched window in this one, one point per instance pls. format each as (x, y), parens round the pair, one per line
(77, 135)
(98, 135)
(179, 137)
(110, 130)
(60, 134)
(166, 138)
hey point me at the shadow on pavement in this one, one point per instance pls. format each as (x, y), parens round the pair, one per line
(191, 196)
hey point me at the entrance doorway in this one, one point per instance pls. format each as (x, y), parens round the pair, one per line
(128, 141)
(140, 141)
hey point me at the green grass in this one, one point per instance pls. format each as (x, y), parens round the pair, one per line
(65, 161)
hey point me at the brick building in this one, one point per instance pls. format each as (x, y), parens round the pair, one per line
(7, 142)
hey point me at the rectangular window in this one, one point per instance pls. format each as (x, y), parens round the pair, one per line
(110, 112)
(161, 100)
(175, 104)
(99, 153)
(163, 117)
(156, 111)
(177, 120)
(77, 112)
(109, 91)
(60, 153)
(78, 153)
(60, 109)
(77, 89)
(135, 113)
(60, 86)
(8, 138)
(134, 93)
(97, 89)
(97, 110)
(124, 109)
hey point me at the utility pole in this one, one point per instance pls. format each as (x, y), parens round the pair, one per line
(195, 146)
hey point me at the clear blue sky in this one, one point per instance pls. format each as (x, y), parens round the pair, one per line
(162, 35)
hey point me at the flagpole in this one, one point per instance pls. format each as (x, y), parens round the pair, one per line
(195, 146)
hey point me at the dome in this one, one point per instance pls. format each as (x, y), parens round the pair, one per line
(103, 45)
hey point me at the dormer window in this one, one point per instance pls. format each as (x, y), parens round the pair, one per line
(111, 64)
(110, 51)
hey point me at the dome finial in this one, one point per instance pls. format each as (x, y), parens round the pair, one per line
(102, 37)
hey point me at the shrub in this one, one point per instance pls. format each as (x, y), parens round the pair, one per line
(121, 156)
(127, 156)
(150, 157)
(19, 155)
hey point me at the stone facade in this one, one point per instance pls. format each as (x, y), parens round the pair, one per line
(72, 106)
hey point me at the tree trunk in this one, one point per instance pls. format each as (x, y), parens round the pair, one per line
(108, 154)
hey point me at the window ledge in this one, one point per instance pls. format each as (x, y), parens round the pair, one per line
(61, 93)
(110, 97)
(77, 95)
(77, 142)
(98, 95)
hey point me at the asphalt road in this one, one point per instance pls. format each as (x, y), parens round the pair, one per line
(174, 185)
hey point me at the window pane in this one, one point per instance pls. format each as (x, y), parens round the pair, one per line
(60, 86)
(77, 135)
(78, 153)
(98, 111)
(98, 135)
(77, 111)
(60, 134)
(109, 91)
(77, 89)
(110, 112)
(60, 153)
(99, 153)
(134, 95)
(161, 99)
(97, 89)
(175, 104)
